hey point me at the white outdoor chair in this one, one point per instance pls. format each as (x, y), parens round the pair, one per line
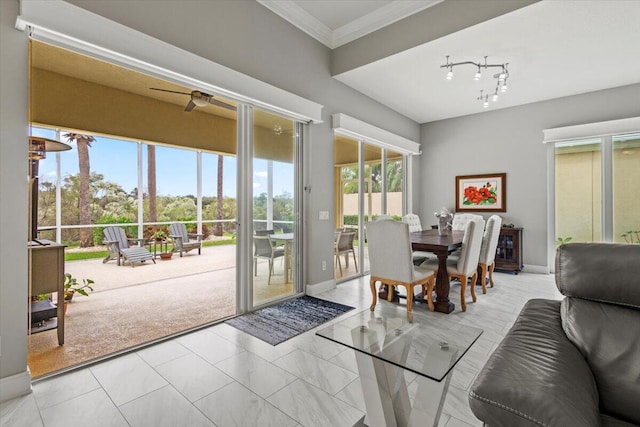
(391, 263)
(488, 250)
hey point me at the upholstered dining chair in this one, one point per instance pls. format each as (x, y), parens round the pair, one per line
(466, 265)
(390, 261)
(460, 220)
(488, 250)
(413, 221)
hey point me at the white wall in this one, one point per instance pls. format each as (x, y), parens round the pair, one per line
(14, 379)
(510, 141)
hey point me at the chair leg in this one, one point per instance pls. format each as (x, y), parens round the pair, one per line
(474, 279)
(463, 289)
(491, 267)
(339, 263)
(409, 302)
(374, 295)
(354, 259)
(270, 270)
(483, 277)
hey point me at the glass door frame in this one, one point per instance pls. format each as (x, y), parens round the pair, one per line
(361, 179)
(244, 248)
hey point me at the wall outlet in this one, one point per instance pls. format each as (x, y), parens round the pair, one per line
(323, 215)
(324, 265)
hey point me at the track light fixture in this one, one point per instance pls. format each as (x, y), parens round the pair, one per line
(501, 77)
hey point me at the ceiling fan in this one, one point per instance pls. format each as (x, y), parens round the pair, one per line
(199, 99)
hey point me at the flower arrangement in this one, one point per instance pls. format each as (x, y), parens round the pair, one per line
(445, 216)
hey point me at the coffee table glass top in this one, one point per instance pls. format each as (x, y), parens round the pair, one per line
(430, 346)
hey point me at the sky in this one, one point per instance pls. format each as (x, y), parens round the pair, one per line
(176, 169)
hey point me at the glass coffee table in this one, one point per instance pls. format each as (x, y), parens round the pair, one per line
(386, 344)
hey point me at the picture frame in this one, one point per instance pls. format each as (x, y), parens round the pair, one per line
(481, 193)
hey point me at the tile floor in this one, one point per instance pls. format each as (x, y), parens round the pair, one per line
(223, 377)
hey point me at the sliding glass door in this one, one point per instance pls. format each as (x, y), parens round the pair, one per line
(369, 184)
(275, 239)
(596, 185)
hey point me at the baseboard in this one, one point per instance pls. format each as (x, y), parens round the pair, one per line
(318, 288)
(536, 269)
(15, 385)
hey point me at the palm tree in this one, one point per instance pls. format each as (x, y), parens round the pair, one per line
(83, 143)
(151, 181)
(217, 231)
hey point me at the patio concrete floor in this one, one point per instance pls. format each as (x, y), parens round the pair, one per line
(134, 305)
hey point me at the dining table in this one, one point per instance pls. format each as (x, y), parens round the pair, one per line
(440, 243)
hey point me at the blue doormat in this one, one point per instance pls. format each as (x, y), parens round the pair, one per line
(282, 321)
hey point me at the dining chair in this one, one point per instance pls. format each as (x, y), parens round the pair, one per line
(415, 225)
(390, 261)
(460, 220)
(466, 265)
(344, 245)
(265, 249)
(488, 250)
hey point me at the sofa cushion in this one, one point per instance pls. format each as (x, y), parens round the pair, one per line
(604, 272)
(536, 376)
(608, 336)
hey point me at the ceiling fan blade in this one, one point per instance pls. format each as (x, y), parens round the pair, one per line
(171, 91)
(222, 104)
(190, 106)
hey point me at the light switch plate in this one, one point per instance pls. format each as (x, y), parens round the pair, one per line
(323, 216)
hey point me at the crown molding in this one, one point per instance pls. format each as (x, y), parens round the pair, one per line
(294, 14)
(379, 18)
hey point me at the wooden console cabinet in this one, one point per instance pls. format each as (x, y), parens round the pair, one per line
(509, 251)
(47, 276)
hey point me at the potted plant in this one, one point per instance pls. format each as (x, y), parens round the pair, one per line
(71, 286)
(161, 236)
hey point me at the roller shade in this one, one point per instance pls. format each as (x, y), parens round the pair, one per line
(359, 130)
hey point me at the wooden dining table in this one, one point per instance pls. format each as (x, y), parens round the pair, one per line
(441, 246)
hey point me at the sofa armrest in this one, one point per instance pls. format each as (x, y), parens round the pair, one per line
(536, 376)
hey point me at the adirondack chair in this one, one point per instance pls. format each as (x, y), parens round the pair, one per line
(182, 240)
(119, 248)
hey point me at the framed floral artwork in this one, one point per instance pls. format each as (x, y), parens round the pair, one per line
(487, 193)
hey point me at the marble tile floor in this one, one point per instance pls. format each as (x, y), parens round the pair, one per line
(223, 377)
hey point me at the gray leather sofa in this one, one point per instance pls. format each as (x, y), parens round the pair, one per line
(574, 362)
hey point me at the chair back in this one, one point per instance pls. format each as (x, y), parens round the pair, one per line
(413, 221)
(470, 250)
(490, 240)
(460, 220)
(345, 241)
(390, 254)
(117, 234)
(264, 232)
(179, 229)
(263, 246)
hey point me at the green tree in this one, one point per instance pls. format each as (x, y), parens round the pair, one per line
(83, 142)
